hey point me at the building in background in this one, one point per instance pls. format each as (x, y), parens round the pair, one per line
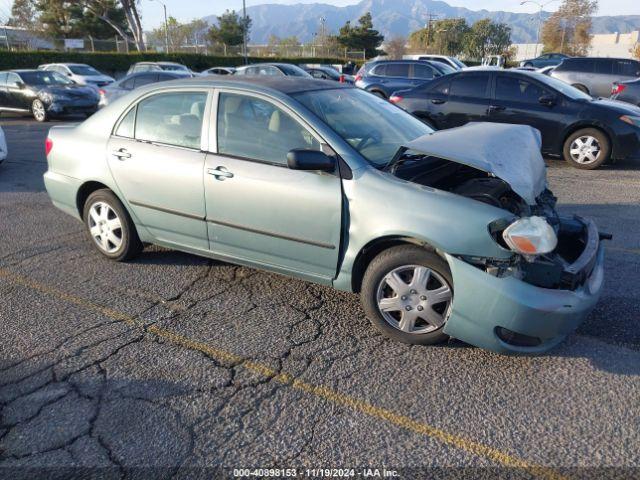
(619, 45)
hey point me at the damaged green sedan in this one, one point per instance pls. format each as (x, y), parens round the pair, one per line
(451, 233)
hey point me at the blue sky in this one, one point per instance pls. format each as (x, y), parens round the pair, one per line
(188, 9)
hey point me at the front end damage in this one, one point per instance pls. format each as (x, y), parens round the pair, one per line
(529, 301)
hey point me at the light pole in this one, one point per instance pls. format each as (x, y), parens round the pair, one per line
(541, 5)
(244, 32)
(166, 26)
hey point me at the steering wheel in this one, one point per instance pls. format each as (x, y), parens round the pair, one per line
(372, 135)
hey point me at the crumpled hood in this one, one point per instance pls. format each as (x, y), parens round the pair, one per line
(509, 152)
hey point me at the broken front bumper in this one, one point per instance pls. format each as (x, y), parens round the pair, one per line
(508, 315)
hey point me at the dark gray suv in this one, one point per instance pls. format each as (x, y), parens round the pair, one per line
(384, 77)
(595, 76)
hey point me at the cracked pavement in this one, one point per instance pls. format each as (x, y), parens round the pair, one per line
(175, 366)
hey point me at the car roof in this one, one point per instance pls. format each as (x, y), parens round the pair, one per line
(399, 61)
(157, 63)
(285, 84)
(265, 64)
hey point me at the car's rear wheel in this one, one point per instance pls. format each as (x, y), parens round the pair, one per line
(407, 293)
(378, 93)
(587, 149)
(528, 64)
(39, 111)
(110, 227)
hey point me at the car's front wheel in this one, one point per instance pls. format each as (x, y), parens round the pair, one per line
(110, 227)
(39, 111)
(587, 149)
(407, 292)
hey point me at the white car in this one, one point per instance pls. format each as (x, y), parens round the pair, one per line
(3, 146)
(80, 73)
(453, 62)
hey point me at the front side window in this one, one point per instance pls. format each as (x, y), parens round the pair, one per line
(252, 128)
(517, 90)
(474, 86)
(422, 71)
(171, 119)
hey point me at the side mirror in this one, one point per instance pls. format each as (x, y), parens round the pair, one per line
(301, 159)
(548, 100)
(21, 85)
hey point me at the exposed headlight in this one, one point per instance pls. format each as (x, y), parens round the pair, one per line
(631, 120)
(530, 236)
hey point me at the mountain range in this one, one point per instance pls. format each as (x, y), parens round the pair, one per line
(398, 18)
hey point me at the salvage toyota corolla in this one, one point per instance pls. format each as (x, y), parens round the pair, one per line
(452, 233)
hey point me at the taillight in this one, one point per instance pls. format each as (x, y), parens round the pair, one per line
(101, 92)
(341, 79)
(617, 88)
(395, 98)
(358, 77)
(48, 145)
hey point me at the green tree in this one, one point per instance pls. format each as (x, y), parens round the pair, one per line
(449, 35)
(23, 14)
(487, 38)
(180, 34)
(230, 29)
(568, 30)
(361, 37)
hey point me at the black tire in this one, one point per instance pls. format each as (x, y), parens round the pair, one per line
(131, 245)
(381, 266)
(39, 111)
(528, 64)
(379, 94)
(603, 142)
(581, 87)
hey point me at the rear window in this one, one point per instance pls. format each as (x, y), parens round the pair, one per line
(470, 86)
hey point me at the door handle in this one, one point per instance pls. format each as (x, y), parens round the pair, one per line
(220, 173)
(437, 101)
(496, 108)
(121, 154)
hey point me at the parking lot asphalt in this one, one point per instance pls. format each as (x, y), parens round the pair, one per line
(177, 366)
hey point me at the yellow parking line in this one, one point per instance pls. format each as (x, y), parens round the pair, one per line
(319, 391)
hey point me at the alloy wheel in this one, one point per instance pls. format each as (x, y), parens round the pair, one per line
(585, 150)
(39, 111)
(105, 227)
(414, 299)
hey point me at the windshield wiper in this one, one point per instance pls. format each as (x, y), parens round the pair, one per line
(400, 157)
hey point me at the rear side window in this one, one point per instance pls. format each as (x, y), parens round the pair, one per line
(422, 71)
(171, 119)
(627, 68)
(604, 66)
(3, 78)
(127, 125)
(380, 70)
(470, 86)
(397, 70)
(441, 88)
(145, 79)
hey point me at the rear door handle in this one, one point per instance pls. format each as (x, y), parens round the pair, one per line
(220, 173)
(121, 154)
(437, 101)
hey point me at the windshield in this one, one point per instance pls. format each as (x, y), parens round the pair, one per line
(173, 68)
(371, 125)
(563, 88)
(42, 77)
(84, 70)
(458, 62)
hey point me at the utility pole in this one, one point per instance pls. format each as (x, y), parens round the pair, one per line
(244, 32)
(166, 26)
(430, 18)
